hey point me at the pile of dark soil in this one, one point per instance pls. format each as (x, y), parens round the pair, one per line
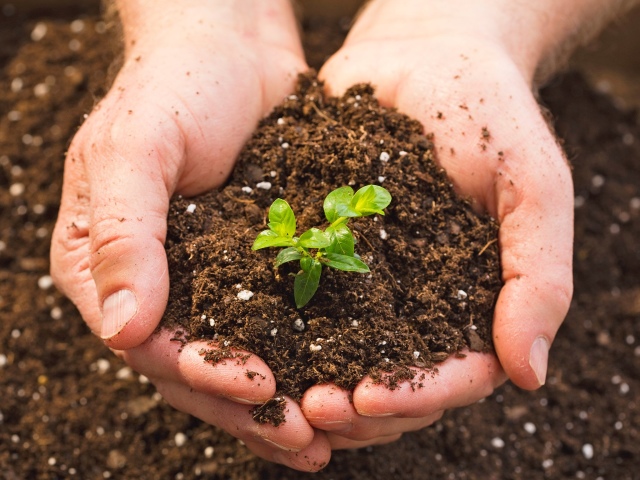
(69, 408)
(434, 263)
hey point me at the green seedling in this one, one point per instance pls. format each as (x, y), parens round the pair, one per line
(332, 247)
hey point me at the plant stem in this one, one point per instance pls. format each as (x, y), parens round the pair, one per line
(338, 222)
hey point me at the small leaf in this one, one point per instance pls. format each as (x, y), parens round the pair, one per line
(282, 219)
(288, 255)
(340, 198)
(342, 241)
(269, 238)
(315, 238)
(347, 211)
(306, 283)
(371, 199)
(345, 263)
(306, 263)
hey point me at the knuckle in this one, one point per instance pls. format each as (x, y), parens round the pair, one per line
(109, 240)
(68, 259)
(559, 293)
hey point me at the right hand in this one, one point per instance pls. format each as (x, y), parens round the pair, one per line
(184, 103)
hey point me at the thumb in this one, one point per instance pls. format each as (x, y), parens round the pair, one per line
(536, 241)
(127, 173)
(107, 252)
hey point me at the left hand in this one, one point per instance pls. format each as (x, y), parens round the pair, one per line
(462, 81)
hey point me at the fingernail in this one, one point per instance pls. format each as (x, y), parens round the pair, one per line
(376, 414)
(333, 422)
(243, 401)
(539, 357)
(117, 310)
(277, 445)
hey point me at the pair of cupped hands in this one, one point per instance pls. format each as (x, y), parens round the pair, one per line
(186, 100)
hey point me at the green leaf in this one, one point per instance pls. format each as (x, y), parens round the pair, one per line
(282, 219)
(306, 263)
(315, 238)
(345, 263)
(306, 283)
(342, 241)
(269, 238)
(288, 255)
(371, 199)
(339, 199)
(348, 211)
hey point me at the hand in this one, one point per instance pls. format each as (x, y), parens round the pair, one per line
(466, 87)
(193, 86)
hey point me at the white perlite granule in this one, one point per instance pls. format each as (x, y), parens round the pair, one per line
(245, 294)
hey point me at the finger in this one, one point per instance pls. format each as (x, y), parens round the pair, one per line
(294, 434)
(71, 259)
(131, 173)
(528, 188)
(245, 378)
(340, 443)
(329, 408)
(456, 382)
(69, 255)
(312, 458)
(536, 242)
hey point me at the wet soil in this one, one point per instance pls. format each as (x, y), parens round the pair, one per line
(69, 408)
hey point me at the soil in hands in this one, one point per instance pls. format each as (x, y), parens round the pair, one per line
(434, 263)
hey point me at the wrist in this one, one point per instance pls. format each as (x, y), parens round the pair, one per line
(152, 22)
(534, 35)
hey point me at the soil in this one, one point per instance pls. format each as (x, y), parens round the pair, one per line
(434, 264)
(69, 408)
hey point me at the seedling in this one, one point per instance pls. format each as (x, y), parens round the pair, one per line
(332, 247)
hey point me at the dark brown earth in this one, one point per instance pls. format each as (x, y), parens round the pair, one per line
(69, 408)
(434, 264)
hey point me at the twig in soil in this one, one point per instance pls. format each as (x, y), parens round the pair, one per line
(394, 283)
(364, 133)
(323, 115)
(236, 199)
(363, 238)
(489, 243)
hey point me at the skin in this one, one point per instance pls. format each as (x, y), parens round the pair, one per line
(197, 77)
